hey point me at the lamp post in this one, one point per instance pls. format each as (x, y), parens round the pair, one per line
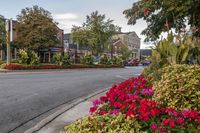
(9, 38)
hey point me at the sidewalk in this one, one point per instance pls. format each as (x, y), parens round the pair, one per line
(3, 70)
(55, 122)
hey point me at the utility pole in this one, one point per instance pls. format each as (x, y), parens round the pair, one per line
(11, 34)
(8, 40)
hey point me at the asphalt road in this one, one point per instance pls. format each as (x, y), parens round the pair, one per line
(26, 98)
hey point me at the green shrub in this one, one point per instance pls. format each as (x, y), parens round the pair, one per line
(28, 58)
(117, 60)
(179, 87)
(1, 62)
(166, 52)
(33, 58)
(61, 59)
(66, 59)
(194, 56)
(103, 124)
(23, 57)
(2, 66)
(14, 61)
(105, 60)
(87, 59)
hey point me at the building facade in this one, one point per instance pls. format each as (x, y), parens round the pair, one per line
(130, 39)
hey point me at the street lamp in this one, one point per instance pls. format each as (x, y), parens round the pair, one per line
(9, 37)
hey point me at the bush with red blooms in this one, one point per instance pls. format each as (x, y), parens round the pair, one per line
(73, 66)
(133, 98)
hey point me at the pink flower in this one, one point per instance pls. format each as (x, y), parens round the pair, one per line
(161, 129)
(96, 103)
(115, 112)
(147, 91)
(154, 126)
(179, 121)
(175, 113)
(185, 113)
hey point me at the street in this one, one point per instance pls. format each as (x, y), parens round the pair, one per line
(26, 98)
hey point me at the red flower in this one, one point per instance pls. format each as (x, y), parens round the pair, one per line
(144, 116)
(179, 121)
(93, 109)
(117, 105)
(154, 112)
(103, 98)
(185, 113)
(130, 113)
(193, 114)
(198, 119)
(165, 121)
(103, 112)
(171, 123)
(132, 106)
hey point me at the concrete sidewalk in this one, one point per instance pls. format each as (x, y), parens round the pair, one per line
(56, 122)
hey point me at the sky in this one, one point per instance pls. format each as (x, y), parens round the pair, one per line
(73, 12)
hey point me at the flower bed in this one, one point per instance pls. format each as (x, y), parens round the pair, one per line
(133, 99)
(73, 66)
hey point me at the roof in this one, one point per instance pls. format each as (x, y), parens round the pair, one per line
(116, 41)
(127, 33)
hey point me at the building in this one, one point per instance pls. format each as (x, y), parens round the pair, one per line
(116, 46)
(75, 51)
(130, 39)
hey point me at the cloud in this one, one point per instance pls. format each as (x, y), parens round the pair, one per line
(66, 16)
(66, 20)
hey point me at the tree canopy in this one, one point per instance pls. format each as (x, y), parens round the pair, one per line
(2, 32)
(95, 33)
(164, 15)
(36, 29)
(125, 52)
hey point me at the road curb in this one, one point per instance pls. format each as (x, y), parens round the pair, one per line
(53, 116)
(50, 70)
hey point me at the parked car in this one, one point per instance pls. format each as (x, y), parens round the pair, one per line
(145, 62)
(132, 62)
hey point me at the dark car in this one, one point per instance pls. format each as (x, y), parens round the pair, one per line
(132, 62)
(145, 62)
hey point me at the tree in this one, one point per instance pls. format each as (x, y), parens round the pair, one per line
(2, 31)
(80, 35)
(36, 29)
(165, 15)
(125, 52)
(2, 34)
(95, 33)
